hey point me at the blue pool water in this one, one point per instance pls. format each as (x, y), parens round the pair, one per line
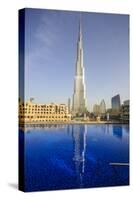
(75, 156)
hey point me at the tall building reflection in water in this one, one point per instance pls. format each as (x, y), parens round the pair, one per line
(79, 133)
(117, 131)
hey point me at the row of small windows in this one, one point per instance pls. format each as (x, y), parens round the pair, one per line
(43, 107)
(49, 120)
(31, 117)
(42, 112)
(59, 110)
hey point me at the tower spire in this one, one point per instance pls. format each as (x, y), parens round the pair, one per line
(80, 28)
(80, 25)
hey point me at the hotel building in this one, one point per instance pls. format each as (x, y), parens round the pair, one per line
(31, 112)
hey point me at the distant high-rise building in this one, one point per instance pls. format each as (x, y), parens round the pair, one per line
(102, 107)
(126, 110)
(96, 109)
(126, 103)
(79, 96)
(69, 105)
(116, 103)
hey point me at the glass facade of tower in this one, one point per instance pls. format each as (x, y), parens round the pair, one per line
(115, 101)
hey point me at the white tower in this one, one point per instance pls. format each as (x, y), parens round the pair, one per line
(102, 107)
(79, 96)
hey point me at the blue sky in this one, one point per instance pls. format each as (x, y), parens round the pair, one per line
(50, 55)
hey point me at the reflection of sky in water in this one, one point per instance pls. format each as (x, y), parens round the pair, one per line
(75, 156)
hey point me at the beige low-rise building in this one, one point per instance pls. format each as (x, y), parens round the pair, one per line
(32, 112)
